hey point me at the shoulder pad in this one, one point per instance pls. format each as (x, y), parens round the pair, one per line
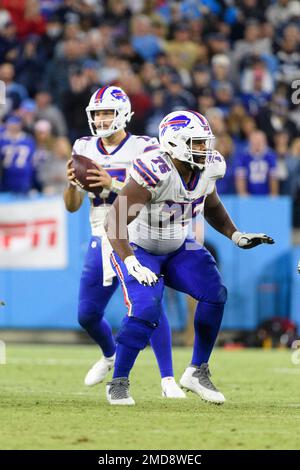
(80, 145)
(151, 169)
(146, 144)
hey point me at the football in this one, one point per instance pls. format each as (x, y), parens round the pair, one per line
(81, 164)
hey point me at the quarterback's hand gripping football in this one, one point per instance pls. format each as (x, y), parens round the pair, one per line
(142, 274)
(70, 172)
(99, 177)
(250, 240)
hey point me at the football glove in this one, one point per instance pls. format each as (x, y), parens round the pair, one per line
(250, 240)
(142, 274)
(299, 267)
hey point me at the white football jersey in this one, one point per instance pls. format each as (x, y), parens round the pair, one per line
(162, 225)
(116, 163)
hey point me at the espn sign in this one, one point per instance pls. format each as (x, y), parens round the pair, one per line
(33, 234)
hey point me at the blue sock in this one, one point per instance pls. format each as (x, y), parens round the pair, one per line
(207, 322)
(101, 332)
(105, 338)
(161, 343)
(125, 359)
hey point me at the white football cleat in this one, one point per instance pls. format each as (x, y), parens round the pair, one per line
(170, 389)
(99, 370)
(197, 380)
(117, 392)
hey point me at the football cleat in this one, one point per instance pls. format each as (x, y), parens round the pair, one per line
(117, 392)
(197, 380)
(99, 371)
(170, 389)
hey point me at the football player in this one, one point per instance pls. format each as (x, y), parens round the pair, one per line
(166, 189)
(112, 149)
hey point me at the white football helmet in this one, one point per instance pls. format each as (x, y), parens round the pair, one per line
(109, 98)
(179, 130)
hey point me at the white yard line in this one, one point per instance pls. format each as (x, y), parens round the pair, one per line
(286, 370)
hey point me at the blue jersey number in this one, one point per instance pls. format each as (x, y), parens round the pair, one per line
(120, 175)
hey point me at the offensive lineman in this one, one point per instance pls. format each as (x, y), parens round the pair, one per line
(112, 149)
(166, 189)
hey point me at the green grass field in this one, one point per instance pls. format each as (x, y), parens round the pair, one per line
(44, 404)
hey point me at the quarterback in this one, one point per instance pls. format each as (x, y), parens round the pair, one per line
(167, 187)
(112, 149)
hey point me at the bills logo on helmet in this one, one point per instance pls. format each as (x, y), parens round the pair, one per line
(176, 123)
(119, 95)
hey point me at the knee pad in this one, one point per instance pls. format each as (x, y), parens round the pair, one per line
(135, 333)
(87, 313)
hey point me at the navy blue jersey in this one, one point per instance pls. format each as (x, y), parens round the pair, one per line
(257, 171)
(16, 156)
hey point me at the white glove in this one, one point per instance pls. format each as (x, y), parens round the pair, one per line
(299, 267)
(250, 240)
(142, 274)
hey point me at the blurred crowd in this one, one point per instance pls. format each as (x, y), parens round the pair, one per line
(236, 62)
